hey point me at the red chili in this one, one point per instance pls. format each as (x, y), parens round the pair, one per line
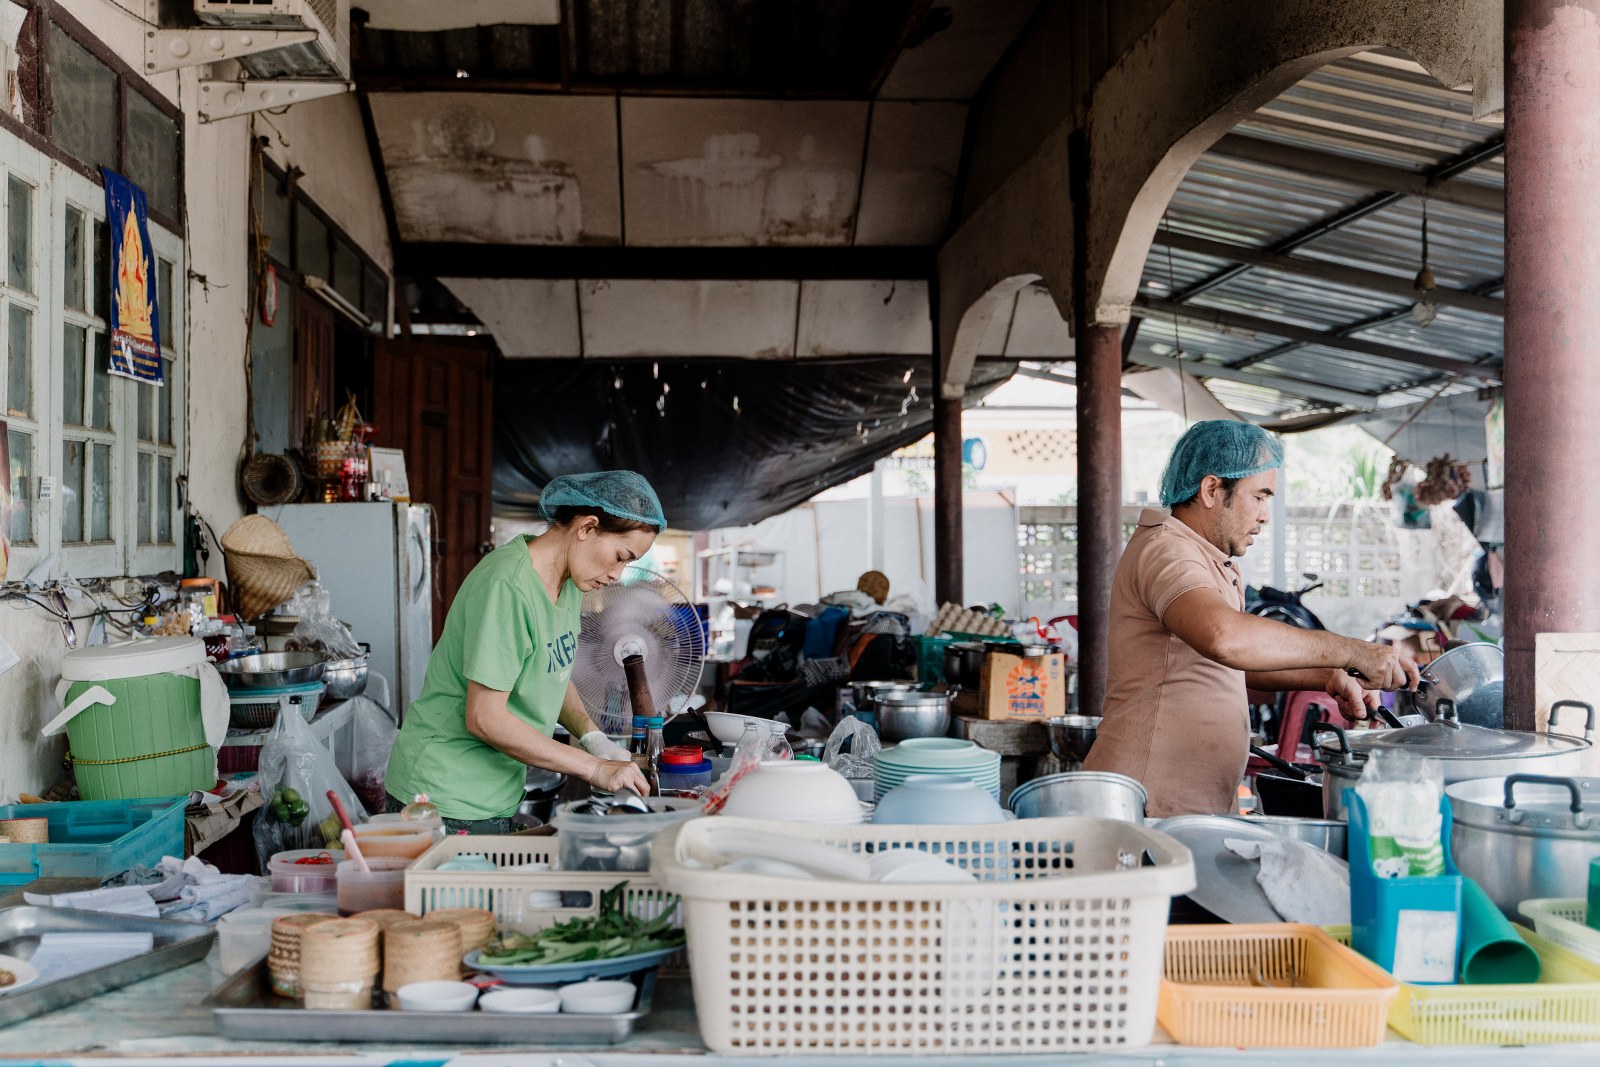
(320, 859)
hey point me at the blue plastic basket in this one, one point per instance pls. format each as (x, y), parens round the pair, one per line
(94, 838)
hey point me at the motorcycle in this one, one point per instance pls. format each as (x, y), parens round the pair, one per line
(1285, 607)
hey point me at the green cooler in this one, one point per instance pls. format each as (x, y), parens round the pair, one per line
(136, 716)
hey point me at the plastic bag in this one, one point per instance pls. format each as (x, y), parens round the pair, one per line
(1401, 792)
(295, 775)
(319, 630)
(756, 745)
(863, 744)
(373, 732)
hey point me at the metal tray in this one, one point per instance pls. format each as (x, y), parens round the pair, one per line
(176, 945)
(245, 1006)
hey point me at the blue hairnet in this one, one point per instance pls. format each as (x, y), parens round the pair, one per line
(1222, 447)
(622, 494)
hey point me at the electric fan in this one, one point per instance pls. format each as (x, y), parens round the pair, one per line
(646, 615)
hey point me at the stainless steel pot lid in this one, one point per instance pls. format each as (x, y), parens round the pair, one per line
(1442, 741)
(1225, 885)
(1528, 802)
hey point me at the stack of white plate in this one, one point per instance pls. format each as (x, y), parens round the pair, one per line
(946, 756)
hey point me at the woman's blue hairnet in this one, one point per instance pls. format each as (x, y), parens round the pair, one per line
(1222, 447)
(623, 494)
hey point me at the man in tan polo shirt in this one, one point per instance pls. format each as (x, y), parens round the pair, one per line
(1183, 649)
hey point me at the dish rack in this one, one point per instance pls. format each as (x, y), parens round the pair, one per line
(1056, 945)
(1565, 922)
(1271, 986)
(258, 709)
(523, 901)
(1562, 1006)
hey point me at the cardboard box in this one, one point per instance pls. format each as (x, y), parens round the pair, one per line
(1026, 688)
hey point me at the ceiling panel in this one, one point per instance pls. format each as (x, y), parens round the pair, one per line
(913, 154)
(841, 318)
(741, 172)
(631, 319)
(501, 169)
(528, 317)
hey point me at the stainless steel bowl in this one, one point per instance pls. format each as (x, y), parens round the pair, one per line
(1071, 736)
(1101, 794)
(345, 678)
(273, 670)
(903, 716)
(1473, 677)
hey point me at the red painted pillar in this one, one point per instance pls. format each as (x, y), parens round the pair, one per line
(949, 553)
(1552, 324)
(1099, 358)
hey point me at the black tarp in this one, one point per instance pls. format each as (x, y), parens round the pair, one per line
(724, 443)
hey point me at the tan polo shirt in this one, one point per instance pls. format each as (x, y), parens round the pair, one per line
(1176, 721)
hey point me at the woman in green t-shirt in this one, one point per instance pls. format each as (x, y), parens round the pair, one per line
(500, 678)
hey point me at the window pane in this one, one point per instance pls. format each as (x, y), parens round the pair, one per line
(275, 218)
(19, 362)
(311, 243)
(164, 500)
(76, 229)
(84, 121)
(75, 344)
(72, 492)
(100, 500)
(100, 390)
(169, 321)
(164, 404)
(100, 280)
(152, 151)
(19, 237)
(375, 297)
(21, 446)
(145, 474)
(146, 395)
(347, 271)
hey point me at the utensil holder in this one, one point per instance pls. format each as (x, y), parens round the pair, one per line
(1411, 927)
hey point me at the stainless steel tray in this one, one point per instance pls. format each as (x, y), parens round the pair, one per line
(245, 1006)
(176, 945)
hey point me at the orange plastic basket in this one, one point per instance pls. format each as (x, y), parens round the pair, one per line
(1270, 986)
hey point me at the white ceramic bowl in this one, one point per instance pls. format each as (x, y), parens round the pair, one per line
(437, 996)
(598, 998)
(730, 727)
(795, 791)
(521, 1001)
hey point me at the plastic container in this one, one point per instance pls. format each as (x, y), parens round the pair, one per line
(383, 886)
(94, 838)
(288, 876)
(1562, 1006)
(1565, 922)
(258, 709)
(1411, 927)
(1217, 990)
(133, 719)
(393, 840)
(616, 842)
(244, 936)
(1060, 951)
(684, 767)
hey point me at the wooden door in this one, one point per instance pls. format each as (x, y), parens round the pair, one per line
(313, 367)
(435, 400)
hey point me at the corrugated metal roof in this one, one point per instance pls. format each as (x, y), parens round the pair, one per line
(1379, 107)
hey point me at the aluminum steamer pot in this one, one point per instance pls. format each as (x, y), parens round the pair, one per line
(1526, 835)
(1466, 752)
(1102, 794)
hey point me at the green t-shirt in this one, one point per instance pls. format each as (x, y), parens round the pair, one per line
(503, 633)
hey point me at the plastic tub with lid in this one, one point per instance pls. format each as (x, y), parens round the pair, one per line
(297, 872)
(684, 767)
(142, 718)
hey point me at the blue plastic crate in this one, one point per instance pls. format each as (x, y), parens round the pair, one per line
(94, 838)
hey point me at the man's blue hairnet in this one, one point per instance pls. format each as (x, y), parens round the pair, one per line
(623, 494)
(1222, 447)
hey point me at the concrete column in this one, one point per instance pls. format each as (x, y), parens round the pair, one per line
(1552, 377)
(1099, 356)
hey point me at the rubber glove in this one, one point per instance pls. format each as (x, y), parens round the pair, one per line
(598, 744)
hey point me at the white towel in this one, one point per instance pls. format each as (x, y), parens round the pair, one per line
(120, 900)
(1303, 883)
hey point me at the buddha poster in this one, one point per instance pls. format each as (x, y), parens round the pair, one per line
(135, 318)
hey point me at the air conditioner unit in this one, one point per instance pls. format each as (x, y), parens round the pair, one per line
(327, 55)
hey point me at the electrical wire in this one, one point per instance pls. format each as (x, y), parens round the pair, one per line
(1177, 341)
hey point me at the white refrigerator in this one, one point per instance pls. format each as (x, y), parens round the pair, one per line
(375, 561)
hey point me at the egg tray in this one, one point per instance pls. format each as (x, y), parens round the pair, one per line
(246, 1007)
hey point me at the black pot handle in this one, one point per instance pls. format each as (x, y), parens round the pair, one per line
(1344, 740)
(1568, 784)
(1588, 724)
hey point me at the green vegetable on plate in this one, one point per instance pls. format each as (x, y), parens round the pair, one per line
(610, 934)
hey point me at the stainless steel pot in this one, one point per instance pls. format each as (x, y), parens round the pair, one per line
(963, 663)
(1330, 835)
(902, 716)
(1472, 677)
(1467, 752)
(866, 694)
(1071, 736)
(1102, 794)
(1526, 835)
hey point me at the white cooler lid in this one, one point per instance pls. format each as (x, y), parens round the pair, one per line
(132, 659)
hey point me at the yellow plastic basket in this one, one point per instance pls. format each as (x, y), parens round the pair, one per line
(1563, 1005)
(1274, 985)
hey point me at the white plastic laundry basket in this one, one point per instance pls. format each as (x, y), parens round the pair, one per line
(1057, 946)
